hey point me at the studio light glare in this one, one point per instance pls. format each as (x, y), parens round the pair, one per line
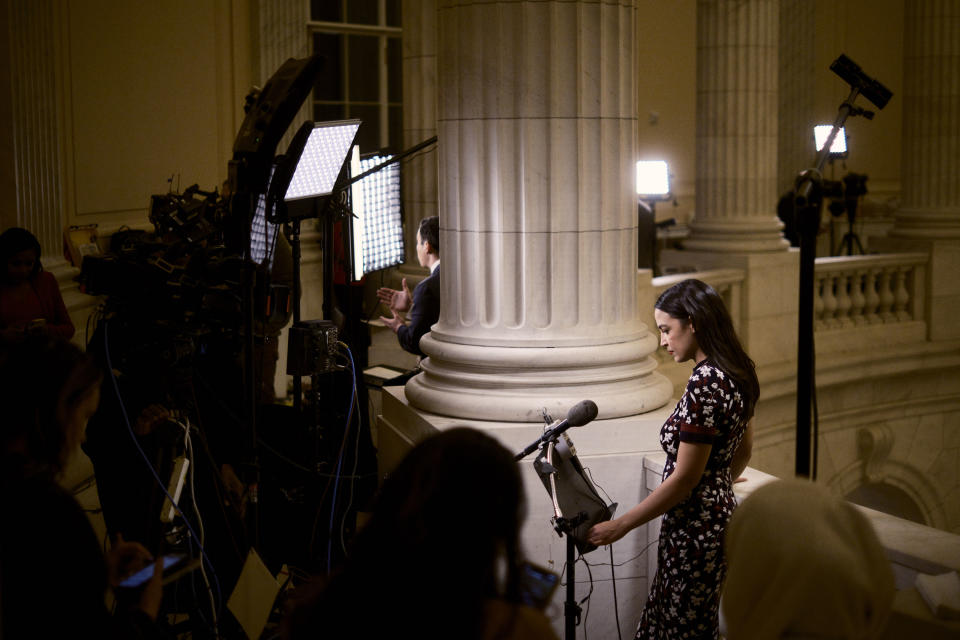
(822, 131)
(653, 178)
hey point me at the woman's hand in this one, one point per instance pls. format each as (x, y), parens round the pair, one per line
(125, 558)
(606, 532)
(152, 594)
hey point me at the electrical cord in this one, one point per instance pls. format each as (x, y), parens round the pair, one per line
(352, 476)
(188, 445)
(616, 606)
(336, 480)
(133, 436)
(586, 598)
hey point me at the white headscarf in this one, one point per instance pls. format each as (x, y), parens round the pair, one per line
(803, 563)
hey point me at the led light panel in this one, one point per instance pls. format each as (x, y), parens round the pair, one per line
(652, 178)
(378, 229)
(263, 233)
(323, 156)
(822, 131)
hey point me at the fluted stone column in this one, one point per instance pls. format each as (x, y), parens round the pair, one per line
(419, 174)
(537, 127)
(929, 218)
(736, 137)
(931, 121)
(36, 125)
(796, 89)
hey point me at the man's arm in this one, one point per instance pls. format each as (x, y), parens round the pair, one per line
(425, 313)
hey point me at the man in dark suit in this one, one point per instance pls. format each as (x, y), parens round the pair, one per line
(424, 304)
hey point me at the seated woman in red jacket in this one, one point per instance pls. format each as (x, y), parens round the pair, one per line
(30, 299)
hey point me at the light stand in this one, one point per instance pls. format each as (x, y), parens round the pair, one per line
(653, 185)
(808, 201)
(268, 114)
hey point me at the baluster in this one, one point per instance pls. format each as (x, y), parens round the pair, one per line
(843, 300)
(901, 295)
(886, 298)
(872, 298)
(829, 301)
(818, 323)
(857, 301)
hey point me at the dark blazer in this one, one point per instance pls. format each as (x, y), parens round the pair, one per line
(424, 314)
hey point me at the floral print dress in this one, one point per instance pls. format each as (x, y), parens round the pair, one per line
(685, 594)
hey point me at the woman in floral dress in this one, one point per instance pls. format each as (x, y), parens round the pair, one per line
(707, 439)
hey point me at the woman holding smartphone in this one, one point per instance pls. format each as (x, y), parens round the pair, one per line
(54, 576)
(707, 439)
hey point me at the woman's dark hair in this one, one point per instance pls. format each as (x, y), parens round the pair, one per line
(693, 301)
(429, 554)
(13, 241)
(43, 377)
(430, 232)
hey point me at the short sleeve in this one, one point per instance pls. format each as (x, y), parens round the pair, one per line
(701, 405)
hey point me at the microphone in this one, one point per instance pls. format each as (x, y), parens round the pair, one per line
(579, 415)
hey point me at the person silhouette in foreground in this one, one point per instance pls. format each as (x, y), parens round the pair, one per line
(440, 556)
(804, 563)
(54, 575)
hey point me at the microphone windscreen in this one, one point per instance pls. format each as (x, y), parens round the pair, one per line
(582, 413)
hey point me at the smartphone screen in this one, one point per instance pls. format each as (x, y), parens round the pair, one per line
(139, 578)
(537, 585)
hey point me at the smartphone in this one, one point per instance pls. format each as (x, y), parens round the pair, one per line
(174, 566)
(537, 585)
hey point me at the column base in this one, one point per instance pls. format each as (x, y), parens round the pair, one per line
(750, 235)
(514, 384)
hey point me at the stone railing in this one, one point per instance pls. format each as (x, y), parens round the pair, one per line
(727, 282)
(858, 291)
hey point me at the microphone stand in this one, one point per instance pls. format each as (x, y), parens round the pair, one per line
(564, 528)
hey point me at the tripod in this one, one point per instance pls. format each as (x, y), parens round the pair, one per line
(850, 238)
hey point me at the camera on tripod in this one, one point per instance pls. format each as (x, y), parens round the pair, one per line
(844, 194)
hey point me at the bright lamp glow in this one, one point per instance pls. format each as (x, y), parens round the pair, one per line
(376, 203)
(822, 131)
(322, 159)
(652, 178)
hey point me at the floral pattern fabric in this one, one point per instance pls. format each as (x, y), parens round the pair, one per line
(685, 594)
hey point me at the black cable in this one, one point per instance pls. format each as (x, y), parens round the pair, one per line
(586, 598)
(126, 419)
(642, 551)
(613, 579)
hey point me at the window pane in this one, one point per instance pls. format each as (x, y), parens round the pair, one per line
(326, 10)
(364, 68)
(330, 85)
(393, 13)
(395, 116)
(326, 112)
(394, 71)
(369, 135)
(362, 11)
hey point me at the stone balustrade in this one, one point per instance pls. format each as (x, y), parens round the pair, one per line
(727, 282)
(857, 291)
